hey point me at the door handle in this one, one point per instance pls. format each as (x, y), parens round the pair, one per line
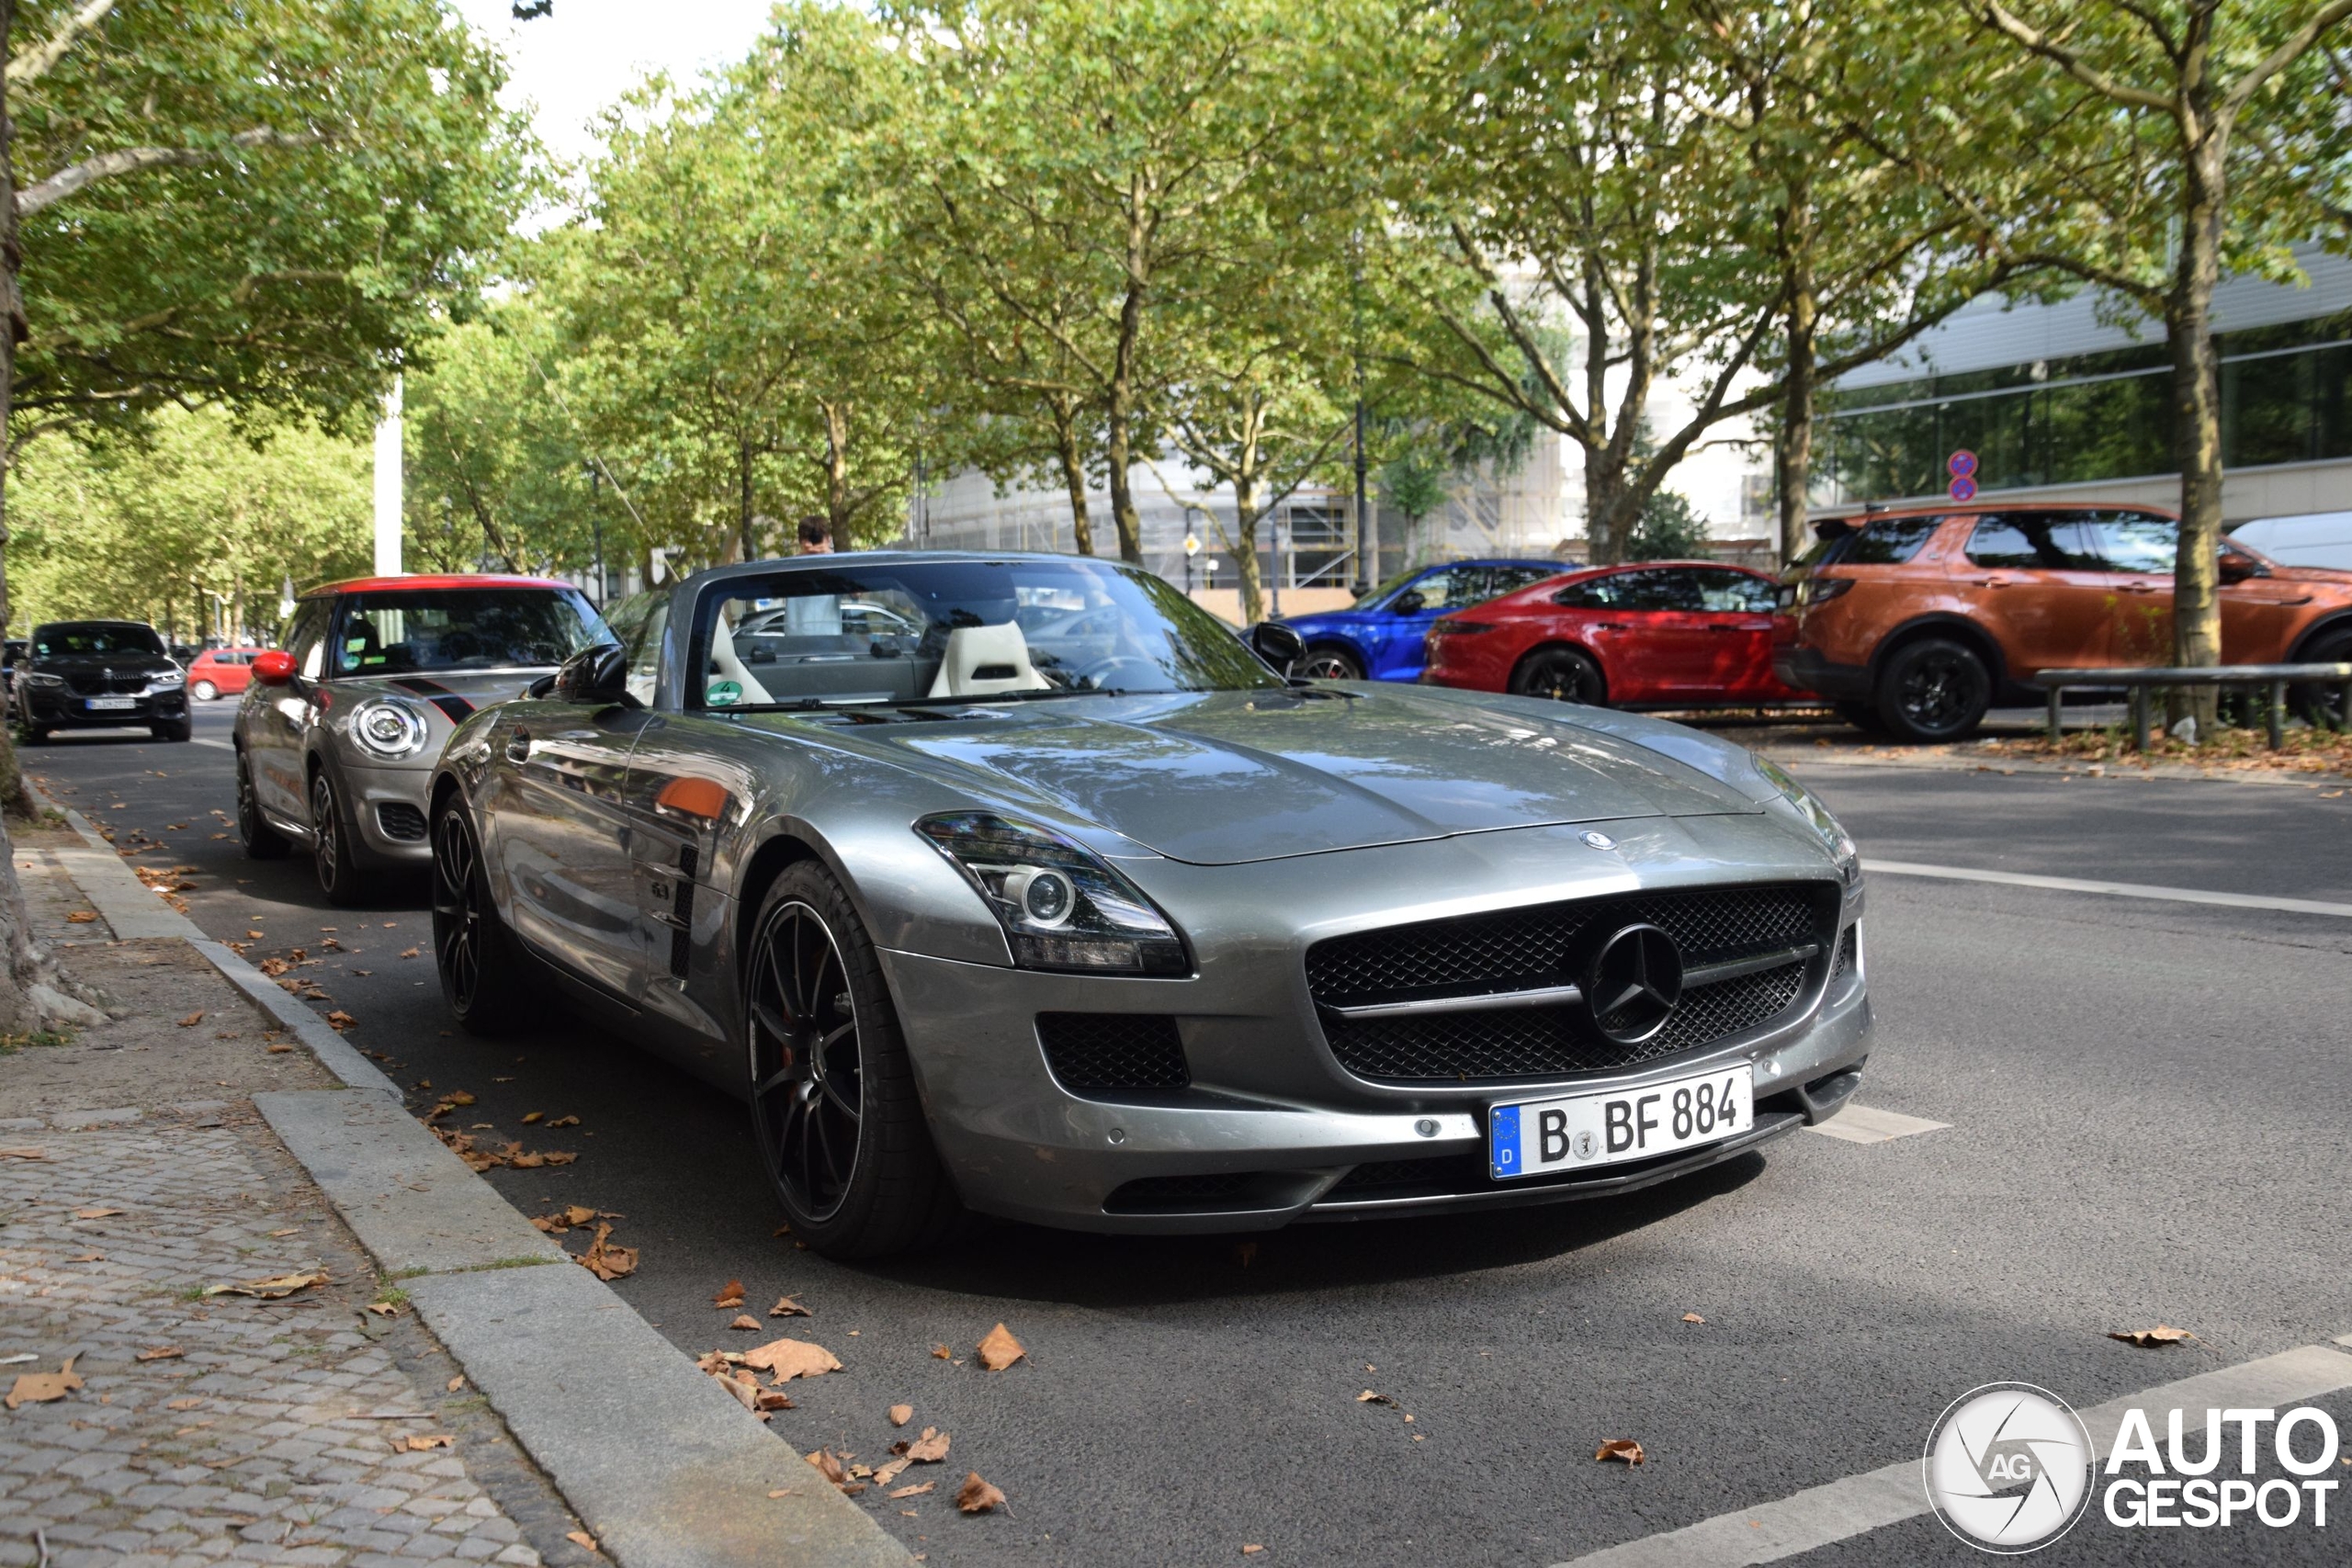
(518, 745)
(2138, 588)
(1993, 582)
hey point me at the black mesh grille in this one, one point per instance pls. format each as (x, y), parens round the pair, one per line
(401, 820)
(1446, 1173)
(1846, 946)
(1521, 949)
(1221, 1188)
(1100, 1050)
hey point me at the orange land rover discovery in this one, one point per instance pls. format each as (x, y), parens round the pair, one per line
(1915, 621)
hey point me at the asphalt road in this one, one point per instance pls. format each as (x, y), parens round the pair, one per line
(2146, 1105)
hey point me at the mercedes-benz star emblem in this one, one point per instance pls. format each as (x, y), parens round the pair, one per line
(1598, 840)
(1631, 984)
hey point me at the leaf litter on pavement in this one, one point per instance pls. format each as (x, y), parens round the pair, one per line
(273, 1287)
(40, 1388)
(2154, 1339)
(1000, 1349)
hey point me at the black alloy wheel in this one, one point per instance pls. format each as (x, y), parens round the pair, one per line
(339, 877)
(840, 1129)
(1561, 675)
(262, 842)
(1934, 690)
(2324, 704)
(1327, 663)
(478, 978)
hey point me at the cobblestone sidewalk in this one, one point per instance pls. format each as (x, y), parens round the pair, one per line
(254, 1430)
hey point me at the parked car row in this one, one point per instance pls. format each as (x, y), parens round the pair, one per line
(1911, 624)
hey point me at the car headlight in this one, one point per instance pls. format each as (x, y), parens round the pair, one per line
(1061, 907)
(37, 678)
(389, 727)
(166, 679)
(1841, 844)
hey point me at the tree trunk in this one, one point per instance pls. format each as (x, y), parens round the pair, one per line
(2197, 425)
(745, 517)
(1081, 527)
(1246, 517)
(1120, 436)
(837, 507)
(1792, 443)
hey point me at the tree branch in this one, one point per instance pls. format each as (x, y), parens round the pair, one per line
(34, 63)
(132, 160)
(2278, 59)
(2066, 60)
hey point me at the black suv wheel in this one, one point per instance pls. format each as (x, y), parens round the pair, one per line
(1934, 690)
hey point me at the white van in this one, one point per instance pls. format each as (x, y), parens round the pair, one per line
(2315, 539)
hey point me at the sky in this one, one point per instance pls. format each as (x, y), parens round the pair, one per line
(572, 63)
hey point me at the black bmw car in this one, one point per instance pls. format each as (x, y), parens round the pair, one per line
(99, 675)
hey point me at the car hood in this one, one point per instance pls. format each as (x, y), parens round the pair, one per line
(1226, 777)
(454, 691)
(91, 663)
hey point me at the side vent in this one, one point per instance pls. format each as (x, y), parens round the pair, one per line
(682, 913)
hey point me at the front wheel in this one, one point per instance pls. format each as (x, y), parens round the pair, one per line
(181, 728)
(1325, 662)
(204, 690)
(2324, 705)
(339, 875)
(480, 977)
(1562, 674)
(840, 1130)
(1934, 690)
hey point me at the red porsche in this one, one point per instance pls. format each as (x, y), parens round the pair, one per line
(1652, 634)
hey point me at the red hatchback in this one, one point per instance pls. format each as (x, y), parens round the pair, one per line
(220, 672)
(1654, 634)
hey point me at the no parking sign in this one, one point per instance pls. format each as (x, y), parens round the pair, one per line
(1961, 466)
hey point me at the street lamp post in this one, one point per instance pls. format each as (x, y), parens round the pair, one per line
(596, 525)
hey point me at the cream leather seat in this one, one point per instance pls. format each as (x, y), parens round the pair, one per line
(981, 660)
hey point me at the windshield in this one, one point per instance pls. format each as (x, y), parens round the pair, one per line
(959, 631)
(76, 639)
(406, 631)
(1372, 596)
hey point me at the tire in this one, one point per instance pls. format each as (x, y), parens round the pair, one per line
(262, 842)
(183, 729)
(823, 1078)
(481, 977)
(340, 878)
(1861, 716)
(204, 692)
(32, 735)
(1562, 674)
(1934, 690)
(2321, 703)
(1326, 661)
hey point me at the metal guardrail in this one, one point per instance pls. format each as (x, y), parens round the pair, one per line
(2277, 677)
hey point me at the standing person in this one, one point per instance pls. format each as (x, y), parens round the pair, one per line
(816, 537)
(814, 615)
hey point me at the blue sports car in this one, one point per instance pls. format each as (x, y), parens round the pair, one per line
(1380, 635)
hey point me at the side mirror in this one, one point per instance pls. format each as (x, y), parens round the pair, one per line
(2236, 568)
(274, 667)
(1408, 603)
(1277, 644)
(598, 674)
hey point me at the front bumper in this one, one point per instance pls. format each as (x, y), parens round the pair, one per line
(1806, 669)
(1273, 1129)
(53, 708)
(386, 806)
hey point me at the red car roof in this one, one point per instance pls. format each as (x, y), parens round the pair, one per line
(427, 580)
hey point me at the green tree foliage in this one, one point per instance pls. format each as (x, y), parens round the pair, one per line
(1669, 528)
(191, 526)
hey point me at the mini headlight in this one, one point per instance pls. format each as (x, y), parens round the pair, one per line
(1841, 844)
(387, 728)
(1061, 907)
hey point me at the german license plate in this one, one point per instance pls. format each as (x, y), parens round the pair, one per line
(113, 704)
(1538, 1137)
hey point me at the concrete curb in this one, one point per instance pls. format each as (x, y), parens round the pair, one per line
(665, 1467)
(1808, 756)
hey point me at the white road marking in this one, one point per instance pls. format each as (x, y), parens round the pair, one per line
(1869, 1124)
(2113, 889)
(1858, 1504)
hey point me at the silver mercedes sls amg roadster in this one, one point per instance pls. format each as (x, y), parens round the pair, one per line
(1019, 883)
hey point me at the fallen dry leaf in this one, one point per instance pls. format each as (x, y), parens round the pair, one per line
(938, 1352)
(914, 1491)
(1000, 1349)
(81, 917)
(731, 1295)
(929, 1448)
(456, 1096)
(87, 1258)
(280, 1050)
(384, 1309)
(408, 953)
(422, 1442)
(182, 1404)
(745, 1320)
(977, 1496)
(531, 1116)
(787, 1359)
(1693, 1317)
(40, 1388)
(272, 1288)
(161, 1353)
(2151, 1338)
(455, 1383)
(1251, 1551)
(40, 1154)
(829, 1466)
(901, 1413)
(1620, 1447)
(95, 1213)
(891, 1470)
(607, 1261)
(565, 1121)
(192, 1019)
(581, 1539)
(340, 1020)
(1368, 1397)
